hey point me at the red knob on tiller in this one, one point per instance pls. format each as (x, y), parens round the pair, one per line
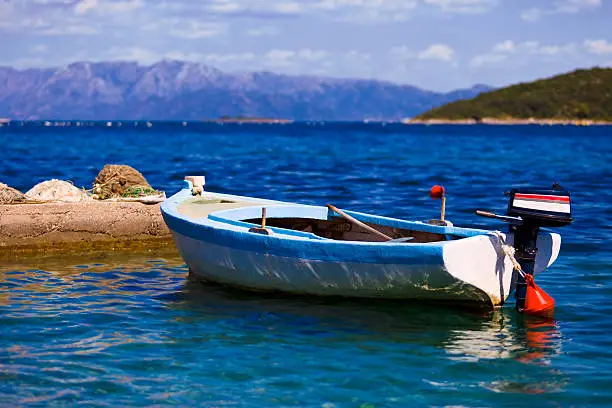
(436, 192)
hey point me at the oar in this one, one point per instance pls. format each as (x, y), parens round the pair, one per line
(357, 222)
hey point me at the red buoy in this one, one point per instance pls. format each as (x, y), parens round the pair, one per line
(436, 192)
(537, 302)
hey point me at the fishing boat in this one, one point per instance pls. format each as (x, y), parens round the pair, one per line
(268, 245)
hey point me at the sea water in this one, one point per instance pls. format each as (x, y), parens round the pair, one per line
(135, 330)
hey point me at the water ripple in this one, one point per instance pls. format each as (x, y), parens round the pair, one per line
(136, 331)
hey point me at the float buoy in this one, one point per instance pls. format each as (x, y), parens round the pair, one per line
(537, 301)
(436, 192)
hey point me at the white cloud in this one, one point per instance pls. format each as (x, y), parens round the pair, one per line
(366, 11)
(286, 8)
(184, 56)
(285, 58)
(506, 46)
(124, 18)
(574, 6)
(225, 7)
(39, 48)
(440, 52)
(237, 7)
(364, 4)
(29, 23)
(186, 28)
(531, 15)
(311, 55)
(193, 30)
(147, 57)
(46, 25)
(85, 5)
(75, 29)
(138, 54)
(27, 62)
(354, 55)
(402, 52)
(224, 58)
(280, 57)
(599, 47)
(275, 58)
(502, 51)
(463, 6)
(561, 6)
(107, 6)
(555, 49)
(355, 11)
(487, 59)
(263, 31)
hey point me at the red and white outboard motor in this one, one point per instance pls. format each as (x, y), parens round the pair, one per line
(529, 209)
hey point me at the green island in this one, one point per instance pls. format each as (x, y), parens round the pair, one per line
(580, 97)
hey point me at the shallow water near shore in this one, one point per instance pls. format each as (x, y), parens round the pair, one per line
(136, 330)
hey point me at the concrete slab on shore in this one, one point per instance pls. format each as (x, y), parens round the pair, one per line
(55, 228)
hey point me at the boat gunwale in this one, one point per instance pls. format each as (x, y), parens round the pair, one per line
(220, 225)
(221, 216)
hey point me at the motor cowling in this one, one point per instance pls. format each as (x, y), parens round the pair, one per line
(544, 207)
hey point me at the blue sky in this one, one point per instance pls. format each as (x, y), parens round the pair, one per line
(434, 44)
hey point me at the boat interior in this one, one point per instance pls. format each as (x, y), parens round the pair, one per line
(343, 230)
(312, 221)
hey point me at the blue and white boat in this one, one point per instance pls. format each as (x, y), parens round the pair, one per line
(313, 250)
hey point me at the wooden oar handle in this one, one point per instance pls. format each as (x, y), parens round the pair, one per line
(357, 222)
(486, 214)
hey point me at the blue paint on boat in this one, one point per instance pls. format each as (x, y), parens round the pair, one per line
(226, 228)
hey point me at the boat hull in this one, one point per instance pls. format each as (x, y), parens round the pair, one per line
(267, 272)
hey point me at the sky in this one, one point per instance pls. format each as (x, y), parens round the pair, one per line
(434, 44)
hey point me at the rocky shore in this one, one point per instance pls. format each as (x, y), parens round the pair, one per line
(496, 121)
(120, 213)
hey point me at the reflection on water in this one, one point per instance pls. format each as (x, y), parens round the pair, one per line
(130, 326)
(507, 335)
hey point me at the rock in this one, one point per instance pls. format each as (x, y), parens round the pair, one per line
(9, 195)
(57, 190)
(118, 180)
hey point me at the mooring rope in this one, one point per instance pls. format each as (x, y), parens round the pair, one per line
(509, 251)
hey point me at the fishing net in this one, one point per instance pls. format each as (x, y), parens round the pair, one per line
(57, 190)
(9, 195)
(118, 180)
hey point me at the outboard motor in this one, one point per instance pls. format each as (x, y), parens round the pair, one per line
(528, 210)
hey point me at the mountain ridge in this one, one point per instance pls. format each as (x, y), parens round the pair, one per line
(179, 90)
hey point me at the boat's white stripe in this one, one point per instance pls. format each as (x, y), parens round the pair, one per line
(543, 206)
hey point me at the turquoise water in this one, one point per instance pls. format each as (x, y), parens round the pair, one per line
(134, 330)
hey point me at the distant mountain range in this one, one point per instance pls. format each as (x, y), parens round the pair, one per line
(176, 90)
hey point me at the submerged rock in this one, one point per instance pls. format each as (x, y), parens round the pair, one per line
(118, 180)
(57, 190)
(9, 195)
